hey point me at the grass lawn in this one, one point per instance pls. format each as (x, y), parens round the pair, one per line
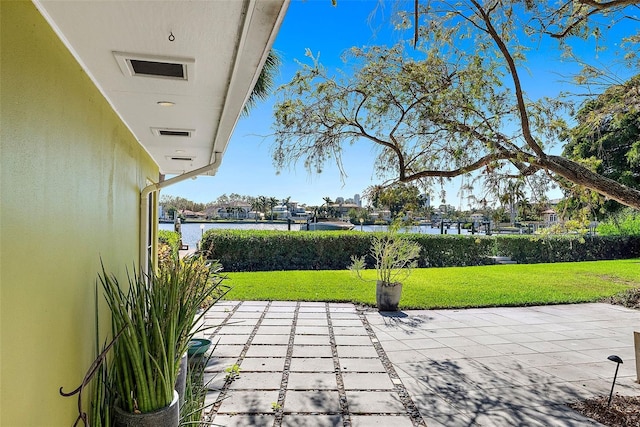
(499, 285)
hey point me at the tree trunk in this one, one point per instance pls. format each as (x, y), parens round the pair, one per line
(580, 175)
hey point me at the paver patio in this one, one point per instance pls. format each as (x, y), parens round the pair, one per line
(326, 364)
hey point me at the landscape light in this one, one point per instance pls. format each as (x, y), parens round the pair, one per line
(616, 359)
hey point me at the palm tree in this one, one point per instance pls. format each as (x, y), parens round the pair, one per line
(514, 192)
(327, 203)
(285, 202)
(256, 206)
(265, 83)
(263, 204)
(272, 202)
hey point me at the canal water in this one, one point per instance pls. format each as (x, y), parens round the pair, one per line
(192, 232)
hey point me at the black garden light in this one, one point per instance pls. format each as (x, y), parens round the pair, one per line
(616, 359)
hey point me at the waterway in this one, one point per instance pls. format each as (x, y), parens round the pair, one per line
(192, 232)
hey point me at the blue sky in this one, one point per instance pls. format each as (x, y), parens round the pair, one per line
(247, 167)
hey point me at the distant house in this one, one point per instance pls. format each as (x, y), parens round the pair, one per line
(185, 213)
(87, 136)
(476, 218)
(280, 212)
(549, 216)
(235, 210)
(342, 209)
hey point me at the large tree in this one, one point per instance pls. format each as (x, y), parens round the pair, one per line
(607, 137)
(398, 198)
(452, 106)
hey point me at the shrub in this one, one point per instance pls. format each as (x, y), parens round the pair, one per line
(531, 250)
(255, 250)
(625, 223)
(171, 239)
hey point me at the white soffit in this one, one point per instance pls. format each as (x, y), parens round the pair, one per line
(213, 51)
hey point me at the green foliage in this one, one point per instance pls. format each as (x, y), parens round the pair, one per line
(265, 84)
(451, 287)
(398, 198)
(196, 391)
(607, 139)
(625, 223)
(530, 250)
(233, 373)
(450, 105)
(170, 238)
(173, 203)
(394, 256)
(355, 215)
(157, 312)
(255, 250)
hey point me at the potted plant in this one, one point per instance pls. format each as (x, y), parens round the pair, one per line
(394, 256)
(158, 314)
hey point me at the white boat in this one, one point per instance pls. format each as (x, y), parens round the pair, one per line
(328, 225)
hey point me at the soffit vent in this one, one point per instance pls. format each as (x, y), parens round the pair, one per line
(181, 158)
(181, 133)
(138, 65)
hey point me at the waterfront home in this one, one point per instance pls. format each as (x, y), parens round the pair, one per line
(549, 217)
(100, 99)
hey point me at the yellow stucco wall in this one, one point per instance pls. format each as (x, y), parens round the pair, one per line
(70, 178)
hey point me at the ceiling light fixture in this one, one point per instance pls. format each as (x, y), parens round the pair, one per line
(166, 103)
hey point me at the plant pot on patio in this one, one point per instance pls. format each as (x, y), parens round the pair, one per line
(388, 296)
(394, 257)
(165, 417)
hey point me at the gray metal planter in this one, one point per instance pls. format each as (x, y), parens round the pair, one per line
(388, 296)
(165, 417)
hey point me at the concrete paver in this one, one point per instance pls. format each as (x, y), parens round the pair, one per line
(312, 364)
(380, 421)
(312, 351)
(326, 364)
(318, 401)
(312, 420)
(319, 381)
(374, 402)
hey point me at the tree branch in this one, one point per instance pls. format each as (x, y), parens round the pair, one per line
(522, 108)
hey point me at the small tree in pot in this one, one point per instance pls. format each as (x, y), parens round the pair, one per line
(394, 257)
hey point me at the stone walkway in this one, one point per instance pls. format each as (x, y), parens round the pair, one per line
(325, 364)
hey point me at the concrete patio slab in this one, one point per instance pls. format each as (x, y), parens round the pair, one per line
(319, 381)
(312, 420)
(315, 401)
(380, 421)
(244, 420)
(320, 364)
(374, 402)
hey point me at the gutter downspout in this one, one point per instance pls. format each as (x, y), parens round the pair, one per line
(144, 201)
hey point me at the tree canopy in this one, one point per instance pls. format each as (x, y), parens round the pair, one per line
(454, 105)
(398, 198)
(607, 136)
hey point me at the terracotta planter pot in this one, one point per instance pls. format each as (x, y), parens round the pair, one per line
(165, 417)
(388, 297)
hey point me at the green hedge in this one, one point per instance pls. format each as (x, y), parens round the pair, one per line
(171, 238)
(251, 250)
(532, 250)
(255, 250)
